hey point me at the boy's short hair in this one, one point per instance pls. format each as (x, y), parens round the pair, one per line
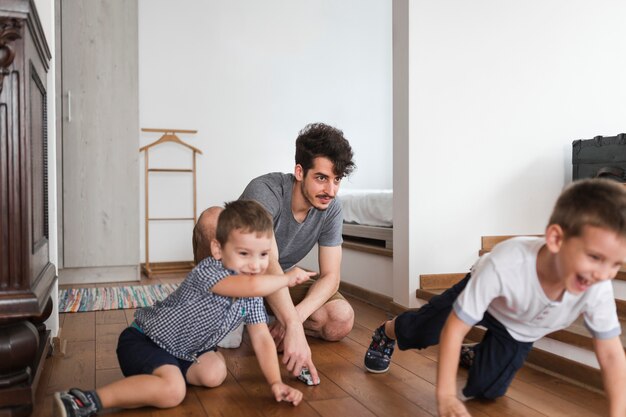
(591, 202)
(245, 215)
(322, 140)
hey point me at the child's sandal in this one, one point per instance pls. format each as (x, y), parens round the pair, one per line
(466, 359)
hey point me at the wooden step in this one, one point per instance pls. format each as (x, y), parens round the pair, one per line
(488, 242)
(575, 335)
(440, 281)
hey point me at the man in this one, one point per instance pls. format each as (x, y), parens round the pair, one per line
(304, 212)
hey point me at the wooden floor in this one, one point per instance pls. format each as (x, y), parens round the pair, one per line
(345, 389)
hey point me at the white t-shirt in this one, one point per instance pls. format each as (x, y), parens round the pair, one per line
(505, 283)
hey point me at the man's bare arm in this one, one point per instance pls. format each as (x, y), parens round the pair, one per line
(326, 285)
(296, 351)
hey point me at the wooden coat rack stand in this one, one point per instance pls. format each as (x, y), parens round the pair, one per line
(169, 135)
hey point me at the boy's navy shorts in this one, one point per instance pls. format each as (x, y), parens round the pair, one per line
(497, 357)
(139, 355)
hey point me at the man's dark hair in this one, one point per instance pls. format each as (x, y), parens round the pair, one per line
(245, 215)
(591, 202)
(321, 140)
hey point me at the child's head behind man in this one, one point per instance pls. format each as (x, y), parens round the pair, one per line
(243, 237)
(586, 234)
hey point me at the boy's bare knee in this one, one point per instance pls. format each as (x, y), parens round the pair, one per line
(174, 393)
(216, 376)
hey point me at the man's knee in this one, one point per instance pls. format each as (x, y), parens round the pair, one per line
(339, 320)
(204, 232)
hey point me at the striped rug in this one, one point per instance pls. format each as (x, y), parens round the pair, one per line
(112, 298)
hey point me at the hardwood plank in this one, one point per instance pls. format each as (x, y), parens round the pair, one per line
(227, 400)
(564, 389)
(346, 388)
(366, 389)
(417, 382)
(75, 369)
(410, 386)
(79, 326)
(257, 391)
(341, 407)
(110, 317)
(190, 407)
(246, 371)
(107, 376)
(546, 402)
(43, 400)
(137, 412)
(106, 345)
(130, 315)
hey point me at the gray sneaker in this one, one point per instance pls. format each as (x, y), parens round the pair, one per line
(73, 403)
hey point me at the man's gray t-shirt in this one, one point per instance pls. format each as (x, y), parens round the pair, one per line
(294, 240)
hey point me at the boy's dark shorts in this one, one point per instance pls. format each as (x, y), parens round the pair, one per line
(139, 355)
(298, 293)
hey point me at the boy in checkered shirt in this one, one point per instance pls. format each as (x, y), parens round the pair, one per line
(173, 343)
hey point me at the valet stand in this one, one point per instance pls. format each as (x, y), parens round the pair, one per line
(169, 135)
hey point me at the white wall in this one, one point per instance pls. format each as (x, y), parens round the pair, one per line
(365, 270)
(497, 92)
(45, 9)
(248, 76)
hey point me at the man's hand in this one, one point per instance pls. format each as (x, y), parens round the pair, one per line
(451, 406)
(284, 392)
(297, 353)
(297, 276)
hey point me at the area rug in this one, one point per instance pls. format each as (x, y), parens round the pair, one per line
(112, 298)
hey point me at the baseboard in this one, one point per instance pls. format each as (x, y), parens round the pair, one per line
(98, 275)
(378, 300)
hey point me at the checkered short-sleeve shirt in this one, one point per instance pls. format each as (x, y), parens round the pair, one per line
(193, 319)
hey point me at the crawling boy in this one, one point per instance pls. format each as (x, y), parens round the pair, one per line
(173, 343)
(524, 289)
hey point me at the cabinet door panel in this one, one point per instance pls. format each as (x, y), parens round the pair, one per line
(100, 133)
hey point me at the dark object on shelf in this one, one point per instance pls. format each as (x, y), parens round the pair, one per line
(602, 156)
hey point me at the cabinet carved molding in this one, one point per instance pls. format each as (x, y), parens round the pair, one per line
(9, 31)
(27, 276)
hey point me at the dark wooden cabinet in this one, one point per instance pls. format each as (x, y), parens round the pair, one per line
(26, 275)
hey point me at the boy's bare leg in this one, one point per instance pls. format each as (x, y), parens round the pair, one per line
(390, 328)
(209, 372)
(164, 388)
(332, 321)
